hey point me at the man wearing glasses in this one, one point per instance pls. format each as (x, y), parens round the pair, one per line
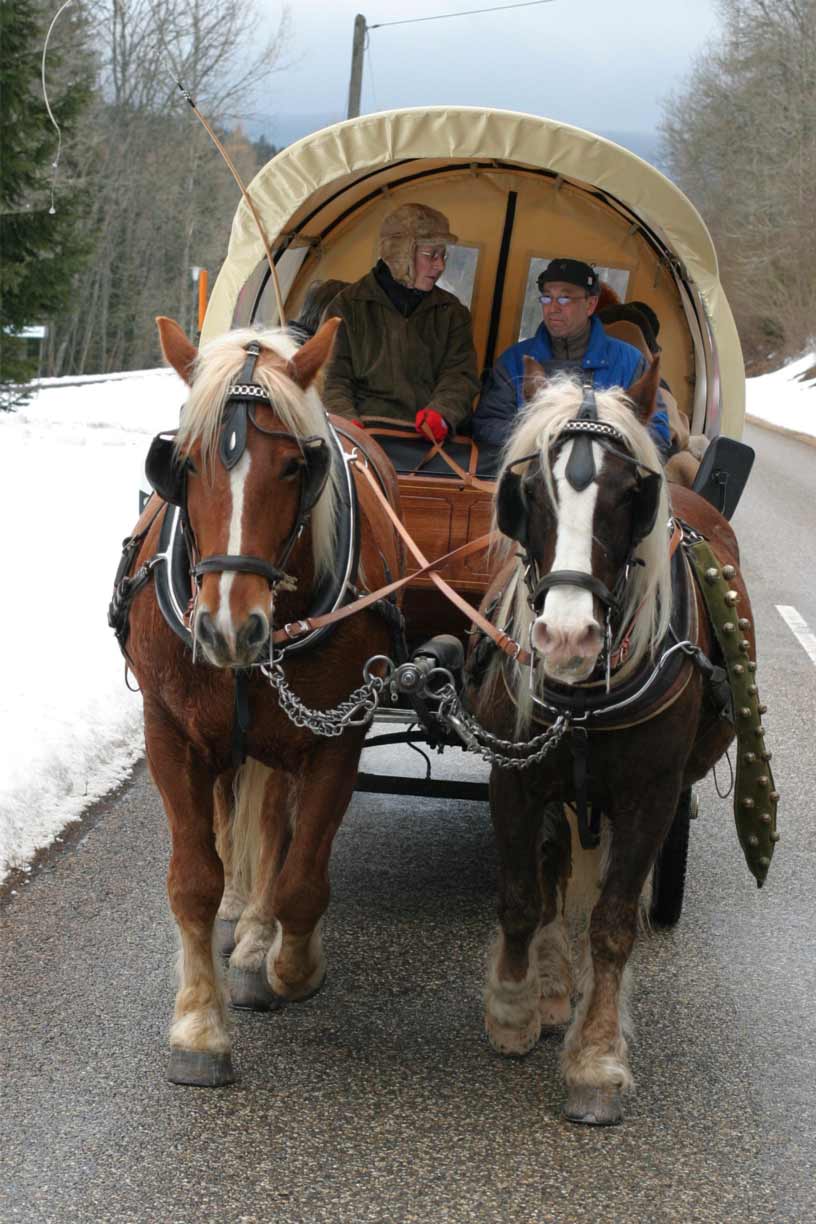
(568, 337)
(406, 351)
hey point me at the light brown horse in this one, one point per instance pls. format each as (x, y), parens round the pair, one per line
(584, 579)
(257, 475)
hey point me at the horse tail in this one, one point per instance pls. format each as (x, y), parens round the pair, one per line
(589, 868)
(249, 789)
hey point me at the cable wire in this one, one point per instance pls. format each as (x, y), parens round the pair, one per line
(500, 8)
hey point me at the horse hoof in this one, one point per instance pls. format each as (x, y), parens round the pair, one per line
(512, 1042)
(200, 1069)
(555, 1011)
(594, 1106)
(224, 936)
(250, 991)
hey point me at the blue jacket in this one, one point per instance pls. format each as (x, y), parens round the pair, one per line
(616, 364)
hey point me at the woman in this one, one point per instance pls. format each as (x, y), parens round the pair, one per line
(406, 351)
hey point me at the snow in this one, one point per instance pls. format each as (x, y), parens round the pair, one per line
(783, 400)
(71, 464)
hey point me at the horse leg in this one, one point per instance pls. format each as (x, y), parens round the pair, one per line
(199, 1039)
(595, 1057)
(295, 963)
(533, 849)
(266, 802)
(551, 940)
(234, 898)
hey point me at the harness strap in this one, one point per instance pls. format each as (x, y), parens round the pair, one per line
(468, 478)
(295, 629)
(239, 564)
(506, 644)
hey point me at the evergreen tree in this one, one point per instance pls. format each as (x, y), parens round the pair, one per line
(40, 244)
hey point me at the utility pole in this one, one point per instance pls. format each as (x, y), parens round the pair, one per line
(356, 80)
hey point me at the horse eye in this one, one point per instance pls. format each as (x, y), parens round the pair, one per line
(291, 468)
(190, 466)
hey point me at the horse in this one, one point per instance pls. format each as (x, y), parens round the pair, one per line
(265, 485)
(623, 708)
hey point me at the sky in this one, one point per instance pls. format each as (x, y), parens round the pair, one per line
(69, 728)
(596, 65)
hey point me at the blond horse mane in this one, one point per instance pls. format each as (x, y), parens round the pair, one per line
(648, 596)
(301, 412)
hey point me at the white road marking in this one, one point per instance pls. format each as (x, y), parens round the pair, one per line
(800, 630)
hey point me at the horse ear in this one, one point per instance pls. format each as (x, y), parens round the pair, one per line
(643, 393)
(313, 354)
(535, 377)
(177, 349)
(511, 509)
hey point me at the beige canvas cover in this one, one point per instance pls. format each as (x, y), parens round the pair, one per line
(331, 171)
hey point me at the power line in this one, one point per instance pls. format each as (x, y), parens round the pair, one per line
(467, 13)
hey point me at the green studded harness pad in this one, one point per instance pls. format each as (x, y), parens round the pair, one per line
(755, 798)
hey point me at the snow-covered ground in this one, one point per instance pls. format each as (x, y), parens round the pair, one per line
(71, 463)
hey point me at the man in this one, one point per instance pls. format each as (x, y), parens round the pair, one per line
(406, 350)
(568, 335)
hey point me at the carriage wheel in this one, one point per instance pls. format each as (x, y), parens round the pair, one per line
(669, 878)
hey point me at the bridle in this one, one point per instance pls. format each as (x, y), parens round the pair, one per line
(168, 475)
(580, 472)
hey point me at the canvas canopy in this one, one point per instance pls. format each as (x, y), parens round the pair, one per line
(572, 193)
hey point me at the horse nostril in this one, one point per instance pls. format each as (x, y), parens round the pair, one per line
(254, 632)
(205, 629)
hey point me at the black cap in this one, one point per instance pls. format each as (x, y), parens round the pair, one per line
(571, 272)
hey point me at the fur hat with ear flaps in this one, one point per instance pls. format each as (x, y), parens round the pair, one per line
(402, 231)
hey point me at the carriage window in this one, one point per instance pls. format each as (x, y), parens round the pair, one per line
(266, 310)
(459, 276)
(616, 278)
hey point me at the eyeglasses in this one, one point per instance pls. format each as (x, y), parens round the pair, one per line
(547, 299)
(434, 254)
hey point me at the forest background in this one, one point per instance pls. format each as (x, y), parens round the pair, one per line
(142, 196)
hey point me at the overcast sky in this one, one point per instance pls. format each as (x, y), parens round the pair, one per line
(603, 66)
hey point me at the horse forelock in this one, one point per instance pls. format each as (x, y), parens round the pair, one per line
(217, 366)
(648, 597)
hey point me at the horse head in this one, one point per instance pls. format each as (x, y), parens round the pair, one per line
(582, 492)
(251, 468)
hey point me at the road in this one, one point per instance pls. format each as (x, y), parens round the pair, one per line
(380, 1099)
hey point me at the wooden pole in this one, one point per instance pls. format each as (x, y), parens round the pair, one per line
(202, 297)
(356, 79)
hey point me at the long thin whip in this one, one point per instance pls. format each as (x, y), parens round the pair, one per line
(249, 201)
(55, 163)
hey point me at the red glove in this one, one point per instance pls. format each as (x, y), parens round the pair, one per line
(431, 419)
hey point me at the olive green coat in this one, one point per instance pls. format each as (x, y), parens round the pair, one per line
(390, 366)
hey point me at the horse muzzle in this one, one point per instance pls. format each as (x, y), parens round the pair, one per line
(233, 646)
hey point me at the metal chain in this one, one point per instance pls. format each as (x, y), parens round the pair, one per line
(356, 711)
(476, 738)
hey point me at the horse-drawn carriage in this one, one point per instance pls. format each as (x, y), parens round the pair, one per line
(303, 600)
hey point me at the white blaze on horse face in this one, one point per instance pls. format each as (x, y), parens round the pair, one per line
(238, 479)
(566, 633)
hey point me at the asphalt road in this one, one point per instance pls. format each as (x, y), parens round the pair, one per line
(380, 1099)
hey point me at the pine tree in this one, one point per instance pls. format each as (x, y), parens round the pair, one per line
(40, 245)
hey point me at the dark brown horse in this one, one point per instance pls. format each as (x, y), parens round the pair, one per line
(625, 715)
(257, 473)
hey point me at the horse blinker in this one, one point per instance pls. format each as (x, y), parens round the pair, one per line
(166, 470)
(645, 501)
(511, 508)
